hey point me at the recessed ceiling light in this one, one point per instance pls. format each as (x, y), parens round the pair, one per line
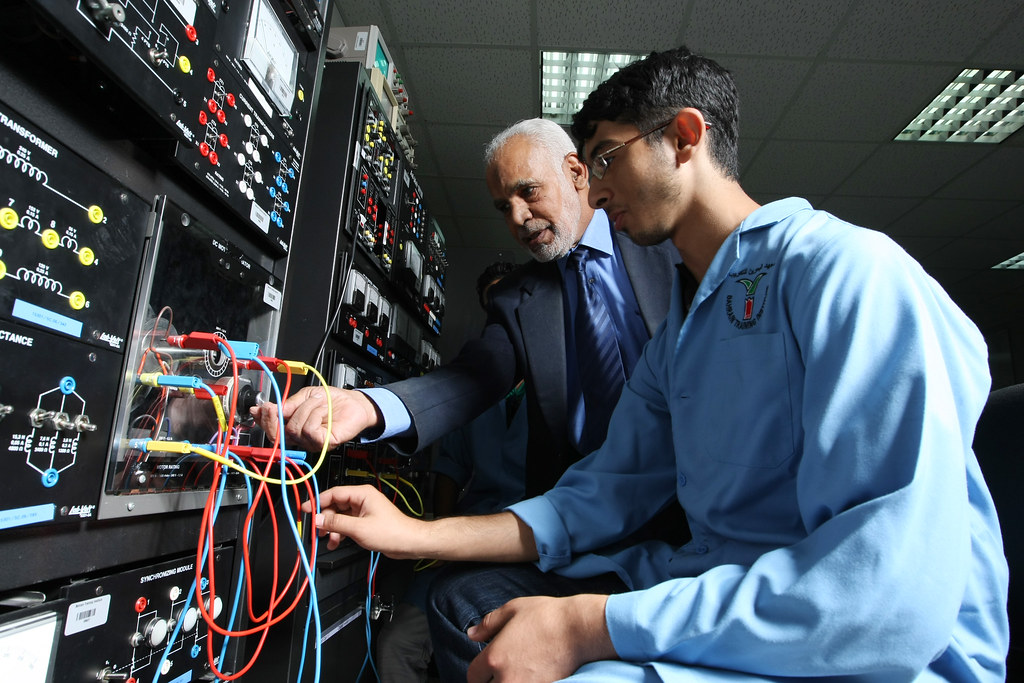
(566, 78)
(980, 105)
(1012, 263)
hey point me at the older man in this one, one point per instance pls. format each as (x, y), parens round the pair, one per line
(538, 182)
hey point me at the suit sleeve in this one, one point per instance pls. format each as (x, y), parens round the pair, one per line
(457, 392)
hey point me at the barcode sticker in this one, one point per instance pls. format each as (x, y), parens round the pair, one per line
(87, 614)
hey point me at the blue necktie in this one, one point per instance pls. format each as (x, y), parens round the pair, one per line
(597, 355)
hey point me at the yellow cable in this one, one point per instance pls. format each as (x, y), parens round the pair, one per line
(226, 462)
(404, 500)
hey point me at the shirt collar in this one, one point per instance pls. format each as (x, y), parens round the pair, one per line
(597, 237)
(772, 213)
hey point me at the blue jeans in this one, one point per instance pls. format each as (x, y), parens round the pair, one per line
(463, 593)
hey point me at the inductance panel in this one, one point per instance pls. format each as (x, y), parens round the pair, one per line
(56, 413)
(70, 239)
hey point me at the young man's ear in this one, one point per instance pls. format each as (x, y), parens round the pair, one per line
(689, 128)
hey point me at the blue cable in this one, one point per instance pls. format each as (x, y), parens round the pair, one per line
(313, 598)
(192, 585)
(374, 559)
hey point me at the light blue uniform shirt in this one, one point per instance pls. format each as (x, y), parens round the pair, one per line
(813, 414)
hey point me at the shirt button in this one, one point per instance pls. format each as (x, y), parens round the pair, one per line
(701, 549)
(682, 479)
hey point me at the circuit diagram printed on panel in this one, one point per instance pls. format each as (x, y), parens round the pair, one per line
(235, 96)
(70, 247)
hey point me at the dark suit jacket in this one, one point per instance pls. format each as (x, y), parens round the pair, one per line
(525, 338)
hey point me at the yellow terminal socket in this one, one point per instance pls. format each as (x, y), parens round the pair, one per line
(3, 270)
(51, 240)
(95, 214)
(185, 64)
(76, 300)
(297, 367)
(8, 218)
(86, 256)
(148, 378)
(302, 95)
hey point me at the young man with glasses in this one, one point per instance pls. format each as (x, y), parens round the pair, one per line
(817, 430)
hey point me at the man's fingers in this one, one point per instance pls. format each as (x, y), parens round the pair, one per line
(490, 625)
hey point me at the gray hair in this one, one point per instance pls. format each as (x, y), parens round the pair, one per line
(543, 132)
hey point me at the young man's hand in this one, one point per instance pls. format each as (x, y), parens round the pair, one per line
(538, 639)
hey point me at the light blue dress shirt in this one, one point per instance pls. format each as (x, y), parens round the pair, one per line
(813, 415)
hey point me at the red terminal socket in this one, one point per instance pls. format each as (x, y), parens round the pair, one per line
(218, 390)
(213, 158)
(203, 119)
(230, 99)
(212, 106)
(223, 138)
(204, 149)
(221, 116)
(211, 75)
(196, 340)
(141, 604)
(190, 31)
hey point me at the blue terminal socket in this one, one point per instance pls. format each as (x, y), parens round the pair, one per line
(179, 381)
(244, 350)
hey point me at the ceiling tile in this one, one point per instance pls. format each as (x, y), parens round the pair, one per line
(765, 88)
(469, 197)
(911, 169)
(795, 28)
(945, 218)
(918, 30)
(999, 176)
(862, 101)
(460, 148)
(458, 85)
(799, 168)
(867, 211)
(605, 25)
(974, 254)
(1008, 225)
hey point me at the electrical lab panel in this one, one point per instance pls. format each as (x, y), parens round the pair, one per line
(117, 627)
(70, 252)
(360, 322)
(201, 299)
(231, 82)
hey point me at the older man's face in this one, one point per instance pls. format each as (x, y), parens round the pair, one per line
(537, 197)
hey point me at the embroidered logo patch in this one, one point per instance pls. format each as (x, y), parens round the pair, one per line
(745, 309)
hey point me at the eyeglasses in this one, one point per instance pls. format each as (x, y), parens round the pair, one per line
(601, 161)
